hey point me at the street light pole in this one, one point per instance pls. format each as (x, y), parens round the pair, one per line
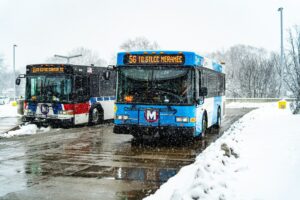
(281, 51)
(67, 57)
(14, 63)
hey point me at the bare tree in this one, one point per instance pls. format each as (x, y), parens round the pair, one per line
(88, 57)
(250, 72)
(292, 65)
(139, 43)
(7, 80)
(2, 73)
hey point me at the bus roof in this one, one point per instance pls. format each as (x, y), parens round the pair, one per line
(182, 58)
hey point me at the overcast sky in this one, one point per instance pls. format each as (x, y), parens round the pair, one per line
(42, 28)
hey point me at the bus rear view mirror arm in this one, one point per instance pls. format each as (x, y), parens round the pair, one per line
(111, 67)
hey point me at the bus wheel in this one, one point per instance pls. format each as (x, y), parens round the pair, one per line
(204, 126)
(95, 116)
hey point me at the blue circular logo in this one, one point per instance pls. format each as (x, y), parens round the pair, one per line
(44, 109)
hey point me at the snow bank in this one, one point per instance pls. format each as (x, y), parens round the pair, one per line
(28, 129)
(8, 110)
(248, 105)
(257, 158)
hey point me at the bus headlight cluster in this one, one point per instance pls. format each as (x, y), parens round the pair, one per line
(182, 119)
(122, 117)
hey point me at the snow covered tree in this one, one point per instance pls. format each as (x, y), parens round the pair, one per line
(88, 57)
(250, 72)
(139, 43)
(292, 64)
(1, 73)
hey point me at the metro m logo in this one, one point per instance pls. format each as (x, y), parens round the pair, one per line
(151, 115)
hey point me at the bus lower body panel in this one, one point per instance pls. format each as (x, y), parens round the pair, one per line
(138, 131)
(48, 121)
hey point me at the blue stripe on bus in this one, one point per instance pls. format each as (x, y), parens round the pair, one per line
(32, 106)
(56, 108)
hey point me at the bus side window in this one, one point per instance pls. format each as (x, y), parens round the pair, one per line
(81, 88)
(203, 79)
(94, 86)
(107, 86)
(78, 85)
(221, 84)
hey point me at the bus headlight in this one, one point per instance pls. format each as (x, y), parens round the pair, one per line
(182, 119)
(122, 117)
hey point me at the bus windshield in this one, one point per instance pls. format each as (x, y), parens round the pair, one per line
(50, 88)
(155, 85)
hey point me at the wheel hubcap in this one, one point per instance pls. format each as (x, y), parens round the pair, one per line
(95, 115)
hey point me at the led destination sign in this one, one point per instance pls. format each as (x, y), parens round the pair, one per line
(171, 59)
(47, 69)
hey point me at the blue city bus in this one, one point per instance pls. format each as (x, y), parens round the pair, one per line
(168, 93)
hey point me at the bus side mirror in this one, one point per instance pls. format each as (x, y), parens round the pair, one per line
(18, 81)
(200, 100)
(111, 67)
(106, 75)
(203, 91)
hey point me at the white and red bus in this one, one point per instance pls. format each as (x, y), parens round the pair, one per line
(68, 94)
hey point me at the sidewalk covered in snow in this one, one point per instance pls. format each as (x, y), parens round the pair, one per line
(257, 158)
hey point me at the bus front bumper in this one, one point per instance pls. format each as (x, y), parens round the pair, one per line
(48, 121)
(163, 131)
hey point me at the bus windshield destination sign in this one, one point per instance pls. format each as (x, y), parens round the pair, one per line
(47, 69)
(135, 59)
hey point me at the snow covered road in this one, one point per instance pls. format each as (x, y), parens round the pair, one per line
(108, 165)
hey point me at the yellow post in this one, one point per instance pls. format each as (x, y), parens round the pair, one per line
(14, 103)
(282, 104)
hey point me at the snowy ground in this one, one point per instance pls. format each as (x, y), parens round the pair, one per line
(257, 158)
(27, 129)
(8, 110)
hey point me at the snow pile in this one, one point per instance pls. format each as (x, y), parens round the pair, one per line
(28, 129)
(8, 110)
(257, 158)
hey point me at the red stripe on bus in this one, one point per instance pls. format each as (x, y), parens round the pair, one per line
(69, 106)
(81, 108)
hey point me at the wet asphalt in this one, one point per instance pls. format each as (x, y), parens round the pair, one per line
(93, 163)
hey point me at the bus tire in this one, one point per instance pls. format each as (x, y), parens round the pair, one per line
(219, 120)
(204, 126)
(95, 116)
